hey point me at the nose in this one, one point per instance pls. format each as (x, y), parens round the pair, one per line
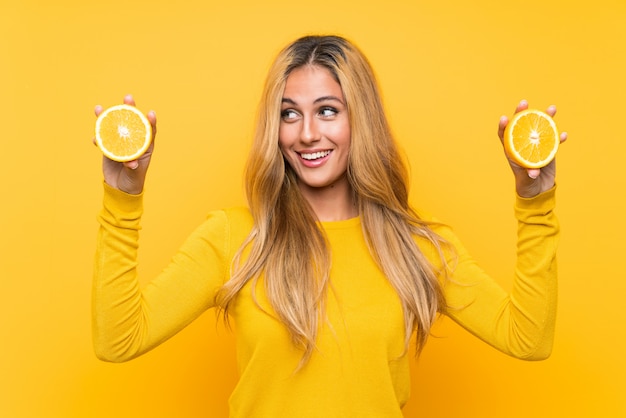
(310, 130)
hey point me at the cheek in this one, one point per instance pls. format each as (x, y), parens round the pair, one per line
(285, 136)
(341, 129)
(284, 144)
(342, 136)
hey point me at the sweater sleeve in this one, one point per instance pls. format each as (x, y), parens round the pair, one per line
(128, 320)
(520, 323)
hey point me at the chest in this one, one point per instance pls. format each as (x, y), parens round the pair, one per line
(363, 312)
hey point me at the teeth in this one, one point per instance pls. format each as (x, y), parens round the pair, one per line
(314, 155)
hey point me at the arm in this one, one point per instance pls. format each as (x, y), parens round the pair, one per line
(519, 323)
(127, 320)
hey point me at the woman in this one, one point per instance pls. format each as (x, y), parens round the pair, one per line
(329, 273)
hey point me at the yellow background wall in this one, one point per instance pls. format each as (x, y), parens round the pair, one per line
(448, 70)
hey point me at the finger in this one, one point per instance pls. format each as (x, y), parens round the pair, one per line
(551, 110)
(502, 126)
(523, 105)
(97, 110)
(563, 137)
(153, 121)
(533, 173)
(132, 164)
(129, 100)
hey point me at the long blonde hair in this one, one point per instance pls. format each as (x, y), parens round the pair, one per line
(287, 246)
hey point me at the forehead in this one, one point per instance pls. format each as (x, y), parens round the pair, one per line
(311, 81)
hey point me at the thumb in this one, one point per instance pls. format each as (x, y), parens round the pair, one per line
(533, 173)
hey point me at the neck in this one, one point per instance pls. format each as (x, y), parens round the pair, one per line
(331, 203)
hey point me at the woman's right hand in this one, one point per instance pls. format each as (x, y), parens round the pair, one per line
(130, 176)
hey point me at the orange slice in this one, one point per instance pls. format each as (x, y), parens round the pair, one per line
(531, 138)
(123, 133)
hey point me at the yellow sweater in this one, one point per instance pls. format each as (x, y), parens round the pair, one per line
(359, 369)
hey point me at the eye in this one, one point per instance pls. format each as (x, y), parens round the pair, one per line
(288, 115)
(328, 112)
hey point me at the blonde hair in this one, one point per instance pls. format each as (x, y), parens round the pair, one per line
(286, 244)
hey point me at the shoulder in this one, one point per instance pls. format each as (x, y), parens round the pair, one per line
(235, 222)
(239, 218)
(435, 225)
(223, 230)
(232, 215)
(436, 238)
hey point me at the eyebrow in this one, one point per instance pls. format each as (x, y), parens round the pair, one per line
(318, 100)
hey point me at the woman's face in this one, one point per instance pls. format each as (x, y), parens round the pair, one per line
(314, 131)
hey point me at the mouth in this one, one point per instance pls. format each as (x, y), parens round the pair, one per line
(312, 156)
(314, 159)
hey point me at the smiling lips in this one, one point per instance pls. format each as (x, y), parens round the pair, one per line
(314, 155)
(314, 159)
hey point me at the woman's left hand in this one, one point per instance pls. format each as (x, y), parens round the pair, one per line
(530, 182)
